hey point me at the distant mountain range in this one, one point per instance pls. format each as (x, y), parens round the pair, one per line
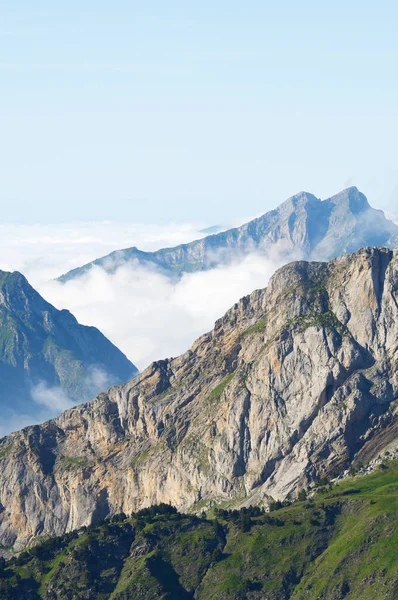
(42, 348)
(303, 227)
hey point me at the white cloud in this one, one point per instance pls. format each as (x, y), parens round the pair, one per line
(392, 216)
(150, 317)
(43, 252)
(142, 312)
(52, 398)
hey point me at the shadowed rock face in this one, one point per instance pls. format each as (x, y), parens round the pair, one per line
(302, 227)
(43, 346)
(290, 385)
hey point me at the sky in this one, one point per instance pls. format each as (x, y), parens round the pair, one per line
(157, 112)
(140, 123)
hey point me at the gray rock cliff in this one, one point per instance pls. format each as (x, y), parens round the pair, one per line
(292, 385)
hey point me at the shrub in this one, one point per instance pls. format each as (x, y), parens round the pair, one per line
(302, 495)
(275, 505)
(156, 510)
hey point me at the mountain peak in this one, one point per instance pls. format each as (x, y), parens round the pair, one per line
(294, 384)
(11, 276)
(302, 226)
(43, 346)
(299, 199)
(351, 198)
(16, 292)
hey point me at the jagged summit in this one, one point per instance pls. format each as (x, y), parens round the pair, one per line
(350, 199)
(303, 226)
(300, 197)
(295, 382)
(357, 202)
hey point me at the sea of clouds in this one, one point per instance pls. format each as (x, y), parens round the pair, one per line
(147, 315)
(144, 313)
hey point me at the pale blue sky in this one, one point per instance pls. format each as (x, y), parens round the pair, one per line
(164, 110)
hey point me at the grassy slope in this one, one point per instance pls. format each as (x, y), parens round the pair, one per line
(340, 545)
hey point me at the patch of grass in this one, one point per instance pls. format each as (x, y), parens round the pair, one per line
(216, 393)
(6, 450)
(74, 461)
(323, 320)
(258, 327)
(140, 458)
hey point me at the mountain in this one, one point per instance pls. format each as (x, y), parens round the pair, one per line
(340, 543)
(294, 384)
(46, 357)
(302, 227)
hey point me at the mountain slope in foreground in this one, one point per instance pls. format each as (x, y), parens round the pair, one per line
(303, 226)
(294, 383)
(340, 544)
(43, 348)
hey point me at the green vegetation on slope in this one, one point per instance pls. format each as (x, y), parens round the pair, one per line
(42, 347)
(341, 544)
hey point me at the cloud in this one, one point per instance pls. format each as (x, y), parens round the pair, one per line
(43, 252)
(150, 317)
(144, 313)
(98, 380)
(52, 398)
(46, 402)
(392, 216)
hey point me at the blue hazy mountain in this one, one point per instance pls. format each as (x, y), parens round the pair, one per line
(46, 351)
(302, 227)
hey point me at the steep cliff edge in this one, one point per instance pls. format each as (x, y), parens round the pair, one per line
(290, 385)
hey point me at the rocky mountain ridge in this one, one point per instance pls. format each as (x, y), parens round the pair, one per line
(302, 227)
(294, 383)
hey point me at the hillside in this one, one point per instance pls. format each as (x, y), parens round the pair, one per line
(302, 227)
(42, 348)
(340, 544)
(293, 384)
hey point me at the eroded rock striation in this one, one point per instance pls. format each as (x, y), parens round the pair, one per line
(292, 385)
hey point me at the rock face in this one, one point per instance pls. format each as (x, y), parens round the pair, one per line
(293, 384)
(302, 227)
(43, 348)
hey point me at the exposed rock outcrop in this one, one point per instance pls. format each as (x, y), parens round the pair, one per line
(292, 382)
